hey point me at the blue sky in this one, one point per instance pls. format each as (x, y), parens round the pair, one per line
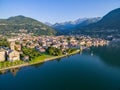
(57, 10)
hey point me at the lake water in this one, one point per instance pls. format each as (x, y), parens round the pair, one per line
(100, 71)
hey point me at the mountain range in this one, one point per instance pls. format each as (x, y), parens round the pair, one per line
(17, 23)
(66, 27)
(108, 25)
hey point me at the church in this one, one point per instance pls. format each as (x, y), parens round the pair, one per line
(13, 55)
(9, 54)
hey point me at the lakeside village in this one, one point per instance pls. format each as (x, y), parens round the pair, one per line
(26, 47)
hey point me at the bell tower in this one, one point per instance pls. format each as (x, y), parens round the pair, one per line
(12, 45)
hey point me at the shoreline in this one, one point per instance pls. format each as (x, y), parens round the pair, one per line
(45, 60)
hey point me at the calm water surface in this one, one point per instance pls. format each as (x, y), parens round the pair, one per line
(77, 72)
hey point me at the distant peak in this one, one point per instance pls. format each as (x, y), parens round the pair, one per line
(19, 16)
(116, 9)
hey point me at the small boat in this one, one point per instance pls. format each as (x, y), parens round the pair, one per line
(91, 53)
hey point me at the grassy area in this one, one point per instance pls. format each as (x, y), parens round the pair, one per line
(9, 64)
(39, 59)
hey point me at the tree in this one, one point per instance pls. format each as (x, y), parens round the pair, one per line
(54, 51)
(30, 52)
(4, 42)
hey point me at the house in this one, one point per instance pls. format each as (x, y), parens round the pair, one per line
(26, 58)
(88, 43)
(42, 50)
(13, 55)
(18, 47)
(82, 42)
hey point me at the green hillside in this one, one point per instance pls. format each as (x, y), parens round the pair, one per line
(17, 23)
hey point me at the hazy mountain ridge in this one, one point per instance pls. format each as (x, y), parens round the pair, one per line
(66, 27)
(108, 25)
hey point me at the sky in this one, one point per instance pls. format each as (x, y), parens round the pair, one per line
(57, 10)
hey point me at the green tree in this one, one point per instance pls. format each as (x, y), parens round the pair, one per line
(32, 53)
(54, 51)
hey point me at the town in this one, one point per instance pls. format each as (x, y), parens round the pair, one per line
(41, 44)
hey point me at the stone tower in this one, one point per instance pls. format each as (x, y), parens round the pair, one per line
(12, 45)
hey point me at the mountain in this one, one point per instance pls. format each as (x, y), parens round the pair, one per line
(17, 23)
(48, 24)
(108, 25)
(67, 27)
(89, 21)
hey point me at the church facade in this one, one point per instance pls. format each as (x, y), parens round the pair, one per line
(11, 54)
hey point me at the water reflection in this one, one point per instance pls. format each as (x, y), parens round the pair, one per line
(13, 71)
(58, 59)
(108, 54)
(3, 71)
(37, 65)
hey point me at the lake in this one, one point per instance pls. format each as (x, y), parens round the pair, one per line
(83, 71)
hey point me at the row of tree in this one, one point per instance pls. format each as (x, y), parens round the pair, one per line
(4, 42)
(32, 53)
(54, 51)
(57, 52)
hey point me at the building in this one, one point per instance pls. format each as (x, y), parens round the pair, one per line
(2, 55)
(26, 58)
(12, 45)
(13, 55)
(18, 47)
